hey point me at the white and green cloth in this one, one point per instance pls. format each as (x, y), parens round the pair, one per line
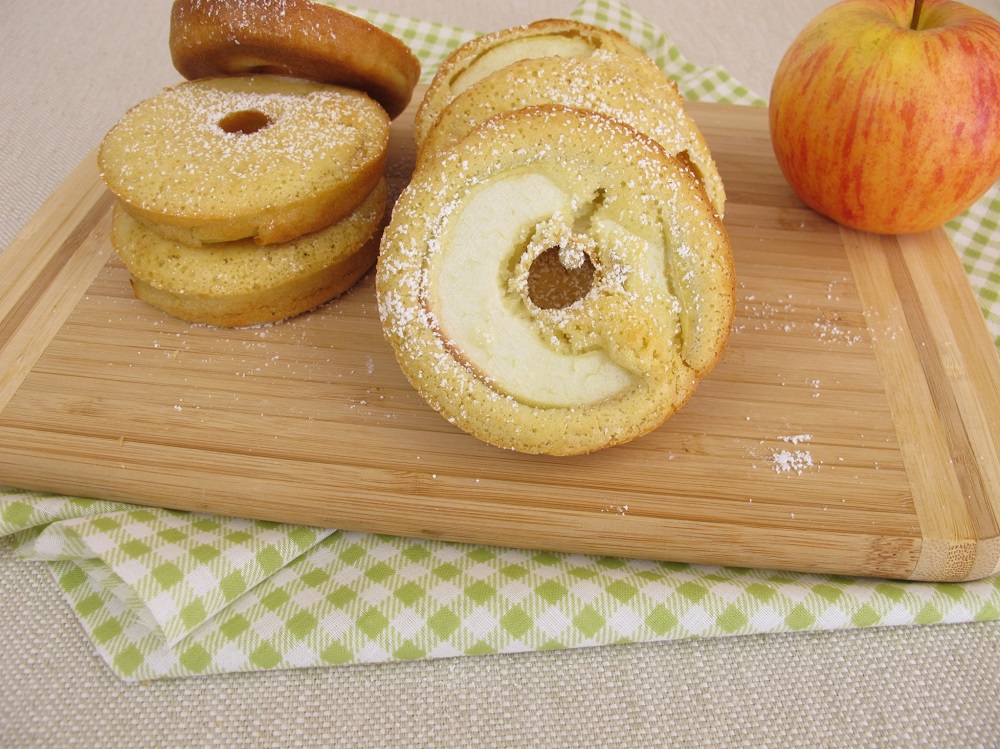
(164, 593)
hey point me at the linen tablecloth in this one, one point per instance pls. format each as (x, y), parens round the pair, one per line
(164, 593)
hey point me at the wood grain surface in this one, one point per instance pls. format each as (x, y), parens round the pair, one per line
(853, 426)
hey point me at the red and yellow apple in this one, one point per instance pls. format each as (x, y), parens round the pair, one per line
(885, 114)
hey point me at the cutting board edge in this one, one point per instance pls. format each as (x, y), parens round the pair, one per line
(929, 324)
(42, 252)
(749, 547)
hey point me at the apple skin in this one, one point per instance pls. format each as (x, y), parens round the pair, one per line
(886, 129)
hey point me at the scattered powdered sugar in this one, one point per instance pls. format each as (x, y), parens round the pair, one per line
(832, 331)
(785, 460)
(796, 438)
(785, 314)
(616, 508)
(792, 461)
(797, 461)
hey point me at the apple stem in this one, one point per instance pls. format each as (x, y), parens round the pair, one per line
(915, 21)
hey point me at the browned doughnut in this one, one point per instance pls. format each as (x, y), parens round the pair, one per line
(298, 38)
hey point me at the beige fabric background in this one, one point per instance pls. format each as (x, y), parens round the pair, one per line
(67, 73)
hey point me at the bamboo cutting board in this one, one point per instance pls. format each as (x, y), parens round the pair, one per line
(853, 426)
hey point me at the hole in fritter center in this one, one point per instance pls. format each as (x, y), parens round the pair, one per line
(244, 122)
(551, 285)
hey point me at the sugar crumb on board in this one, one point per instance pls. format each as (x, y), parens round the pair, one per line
(618, 509)
(794, 461)
(787, 459)
(786, 314)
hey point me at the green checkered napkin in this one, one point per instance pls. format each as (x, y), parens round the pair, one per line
(165, 593)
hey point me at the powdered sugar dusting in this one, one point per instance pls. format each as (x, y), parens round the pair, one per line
(795, 461)
(792, 459)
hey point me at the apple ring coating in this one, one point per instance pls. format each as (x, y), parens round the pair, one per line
(629, 88)
(608, 367)
(483, 55)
